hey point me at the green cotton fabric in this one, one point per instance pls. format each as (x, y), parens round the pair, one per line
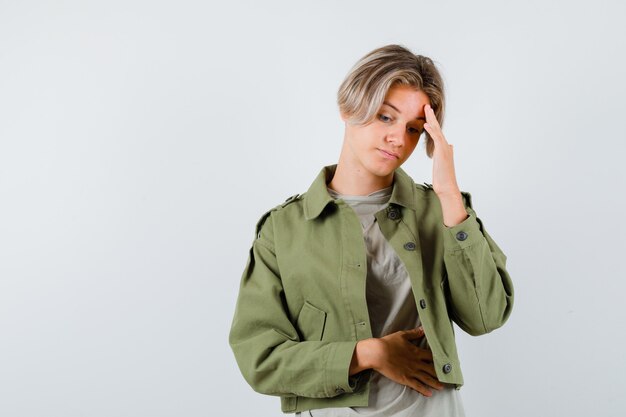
(301, 306)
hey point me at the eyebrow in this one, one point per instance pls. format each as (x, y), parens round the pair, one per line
(396, 109)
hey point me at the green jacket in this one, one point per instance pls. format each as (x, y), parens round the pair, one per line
(301, 306)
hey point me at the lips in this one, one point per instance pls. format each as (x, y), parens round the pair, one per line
(389, 154)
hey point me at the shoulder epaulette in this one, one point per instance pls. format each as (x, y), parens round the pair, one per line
(265, 215)
(290, 199)
(466, 195)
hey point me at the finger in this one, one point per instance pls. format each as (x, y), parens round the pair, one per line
(419, 387)
(426, 367)
(427, 355)
(435, 134)
(432, 125)
(413, 333)
(431, 118)
(423, 354)
(428, 380)
(430, 115)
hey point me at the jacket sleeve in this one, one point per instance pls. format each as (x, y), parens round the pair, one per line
(269, 352)
(479, 288)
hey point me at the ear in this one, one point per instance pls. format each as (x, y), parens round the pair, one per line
(343, 116)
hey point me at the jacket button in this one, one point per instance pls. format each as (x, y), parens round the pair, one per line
(447, 368)
(340, 390)
(409, 246)
(461, 235)
(423, 303)
(393, 213)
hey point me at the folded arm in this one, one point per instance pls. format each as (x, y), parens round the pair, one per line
(265, 342)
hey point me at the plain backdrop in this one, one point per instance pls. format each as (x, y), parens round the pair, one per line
(140, 142)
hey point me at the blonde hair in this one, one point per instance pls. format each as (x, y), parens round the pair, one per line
(362, 92)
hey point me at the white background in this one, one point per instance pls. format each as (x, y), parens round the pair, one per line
(140, 141)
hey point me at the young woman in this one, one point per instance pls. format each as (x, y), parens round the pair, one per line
(346, 304)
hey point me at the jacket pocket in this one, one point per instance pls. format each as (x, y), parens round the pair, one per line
(311, 322)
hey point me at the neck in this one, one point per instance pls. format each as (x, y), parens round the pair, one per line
(353, 179)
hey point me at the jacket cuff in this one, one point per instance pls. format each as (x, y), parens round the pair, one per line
(338, 369)
(464, 234)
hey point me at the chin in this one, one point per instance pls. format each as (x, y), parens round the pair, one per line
(378, 166)
(383, 171)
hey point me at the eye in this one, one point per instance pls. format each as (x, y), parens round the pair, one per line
(384, 118)
(413, 130)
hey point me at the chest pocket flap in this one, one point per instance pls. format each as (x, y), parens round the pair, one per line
(311, 322)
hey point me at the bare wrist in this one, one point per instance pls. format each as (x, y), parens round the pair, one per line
(366, 355)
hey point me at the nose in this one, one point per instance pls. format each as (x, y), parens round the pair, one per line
(397, 135)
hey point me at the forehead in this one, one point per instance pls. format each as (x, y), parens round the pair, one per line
(407, 100)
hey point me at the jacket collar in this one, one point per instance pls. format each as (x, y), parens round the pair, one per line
(317, 196)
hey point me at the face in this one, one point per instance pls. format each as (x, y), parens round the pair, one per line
(387, 142)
